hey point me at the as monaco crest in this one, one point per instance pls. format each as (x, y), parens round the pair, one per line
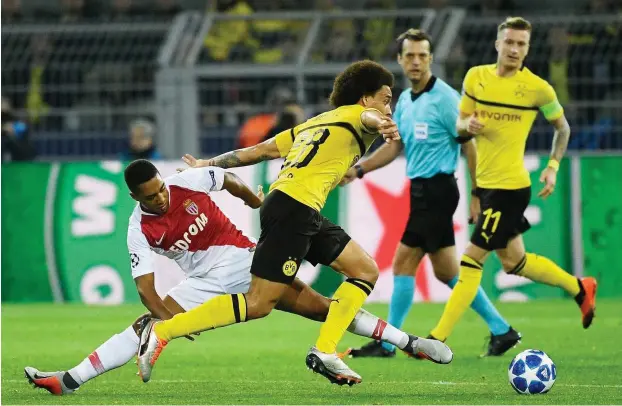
(191, 207)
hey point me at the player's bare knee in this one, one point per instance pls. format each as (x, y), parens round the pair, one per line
(258, 307)
(509, 263)
(406, 260)
(259, 311)
(401, 266)
(369, 272)
(477, 254)
(445, 275)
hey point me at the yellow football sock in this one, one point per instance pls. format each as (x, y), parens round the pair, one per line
(217, 312)
(347, 301)
(461, 297)
(543, 270)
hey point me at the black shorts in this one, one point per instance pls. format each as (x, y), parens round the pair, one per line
(502, 217)
(290, 232)
(433, 202)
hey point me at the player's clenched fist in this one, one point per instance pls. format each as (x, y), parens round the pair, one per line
(474, 126)
(388, 130)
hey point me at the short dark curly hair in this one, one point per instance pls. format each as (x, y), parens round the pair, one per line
(362, 78)
(139, 172)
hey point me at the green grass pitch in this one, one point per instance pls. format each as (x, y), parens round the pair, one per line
(262, 362)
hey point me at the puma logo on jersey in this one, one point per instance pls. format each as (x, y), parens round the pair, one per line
(195, 228)
(486, 237)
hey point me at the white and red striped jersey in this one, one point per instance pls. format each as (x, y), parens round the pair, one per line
(194, 232)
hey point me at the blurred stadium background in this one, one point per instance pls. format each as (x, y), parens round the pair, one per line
(88, 84)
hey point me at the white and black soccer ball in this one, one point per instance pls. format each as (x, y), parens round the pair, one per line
(532, 372)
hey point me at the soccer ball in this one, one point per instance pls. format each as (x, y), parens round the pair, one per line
(532, 372)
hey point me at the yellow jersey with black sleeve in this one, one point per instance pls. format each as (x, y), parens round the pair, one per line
(507, 106)
(319, 152)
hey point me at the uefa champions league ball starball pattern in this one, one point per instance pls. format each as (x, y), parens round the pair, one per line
(532, 372)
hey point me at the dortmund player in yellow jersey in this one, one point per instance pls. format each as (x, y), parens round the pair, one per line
(498, 107)
(317, 155)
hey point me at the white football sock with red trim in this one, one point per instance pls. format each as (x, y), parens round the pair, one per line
(117, 351)
(367, 325)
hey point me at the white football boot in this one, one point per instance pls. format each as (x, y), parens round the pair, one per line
(50, 381)
(428, 348)
(149, 349)
(331, 367)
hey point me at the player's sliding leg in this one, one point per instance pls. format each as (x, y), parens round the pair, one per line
(115, 352)
(367, 325)
(361, 272)
(446, 269)
(541, 269)
(502, 335)
(405, 264)
(301, 299)
(220, 311)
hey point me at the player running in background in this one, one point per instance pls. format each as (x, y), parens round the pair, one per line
(498, 107)
(177, 218)
(317, 155)
(426, 119)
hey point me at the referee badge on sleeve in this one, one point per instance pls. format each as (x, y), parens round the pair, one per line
(421, 131)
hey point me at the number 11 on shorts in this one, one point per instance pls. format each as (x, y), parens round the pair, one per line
(490, 214)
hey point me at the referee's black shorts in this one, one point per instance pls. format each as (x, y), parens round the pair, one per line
(433, 202)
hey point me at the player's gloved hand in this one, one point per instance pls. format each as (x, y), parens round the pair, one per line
(474, 209)
(348, 177)
(388, 130)
(549, 178)
(474, 126)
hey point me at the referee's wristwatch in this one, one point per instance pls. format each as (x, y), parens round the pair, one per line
(359, 171)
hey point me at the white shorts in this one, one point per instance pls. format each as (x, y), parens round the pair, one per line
(234, 277)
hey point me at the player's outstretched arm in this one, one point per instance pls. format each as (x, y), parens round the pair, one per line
(145, 284)
(381, 157)
(236, 186)
(240, 157)
(560, 144)
(560, 138)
